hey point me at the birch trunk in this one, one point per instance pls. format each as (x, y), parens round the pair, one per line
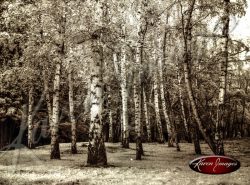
(46, 78)
(124, 93)
(47, 98)
(30, 119)
(183, 110)
(137, 78)
(96, 148)
(202, 129)
(111, 127)
(148, 126)
(137, 101)
(61, 51)
(71, 112)
(187, 33)
(157, 110)
(110, 115)
(163, 102)
(152, 102)
(175, 135)
(161, 61)
(223, 80)
(55, 151)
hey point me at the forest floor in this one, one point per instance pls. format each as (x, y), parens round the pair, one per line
(160, 165)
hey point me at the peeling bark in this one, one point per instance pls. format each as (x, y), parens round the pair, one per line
(55, 151)
(137, 101)
(96, 148)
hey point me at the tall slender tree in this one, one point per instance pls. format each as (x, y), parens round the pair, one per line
(169, 125)
(146, 114)
(55, 150)
(96, 148)
(30, 118)
(142, 4)
(223, 78)
(124, 93)
(156, 101)
(59, 59)
(187, 57)
(71, 111)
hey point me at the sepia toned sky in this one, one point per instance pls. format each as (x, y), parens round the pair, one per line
(242, 30)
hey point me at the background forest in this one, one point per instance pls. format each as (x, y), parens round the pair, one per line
(122, 71)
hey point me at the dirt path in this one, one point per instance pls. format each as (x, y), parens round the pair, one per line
(160, 165)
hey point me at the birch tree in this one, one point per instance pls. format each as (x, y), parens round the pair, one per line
(156, 101)
(223, 78)
(187, 57)
(59, 59)
(110, 115)
(162, 96)
(96, 147)
(146, 114)
(124, 93)
(47, 96)
(30, 118)
(71, 111)
(55, 150)
(137, 76)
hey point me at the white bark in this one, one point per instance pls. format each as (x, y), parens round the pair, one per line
(96, 148)
(146, 116)
(156, 103)
(47, 97)
(223, 78)
(162, 95)
(124, 93)
(182, 104)
(55, 152)
(137, 94)
(30, 118)
(71, 112)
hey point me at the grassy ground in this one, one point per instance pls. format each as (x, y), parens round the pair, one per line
(160, 165)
